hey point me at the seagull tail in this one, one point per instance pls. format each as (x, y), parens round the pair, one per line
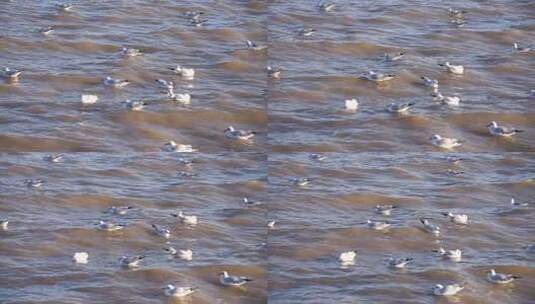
(518, 131)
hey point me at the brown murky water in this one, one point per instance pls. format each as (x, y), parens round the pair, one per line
(112, 156)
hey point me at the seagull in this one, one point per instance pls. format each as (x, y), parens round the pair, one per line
(317, 157)
(300, 181)
(271, 224)
(34, 183)
(130, 52)
(400, 108)
(447, 290)
(378, 225)
(377, 76)
(326, 6)
(348, 257)
(194, 15)
(53, 158)
(3, 225)
(130, 262)
(118, 210)
(178, 292)
(116, 83)
(185, 162)
(168, 85)
(11, 74)
(351, 104)
(500, 278)
(172, 146)
(428, 82)
(89, 99)
(514, 203)
(232, 133)
(519, 49)
(458, 22)
(80, 257)
(134, 105)
(249, 202)
(229, 280)
(171, 250)
(454, 172)
(161, 231)
(384, 209)
(253, 46)
(445, 142)
(183, 98)
(453, 255)
(307, 31)
(461, 219)
(456, 13)
(274, 72)
(197, 22)
(109, 226)
(186, 254)
(454, 69)
(186, 219)
(46, 30)
(496, 130)
(394, 56)
(430, 228)
(399, 263)
(184, 72)
(449, 100)
(65, 7)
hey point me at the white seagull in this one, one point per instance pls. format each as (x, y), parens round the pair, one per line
(445, 142)
(65, 7)
(351, 104)
(430, 228)
(34, 183)
(496, 130)
(399, 263)
(130, 52)
(186, 219)
(11, 74)
(80, 257)
(116, 83)
(454, 69)
(89, 99)
(514, 203)
(164, 84)
(46, 30)
(230, 280)
(325, 6)
(183, 98)
(300, 181)
(447, 290)
(271, 224)
(500, 278)
(399, 108)
(130, 262)
(384, 209)
(455, 255)
(172, 146)
(109, 226)
(232, 133)
(428, 82)
(53, 158)
(348, 257)
(253, 46)
(449, 100)
(185, 254)
(137, 105)
(519, 49)
(118, 210)
(461, 219)
(307, 31)
(394, 56)
(178, 292)
(378, 77)
(377, 225)
(274, 72)
(317, 157)
(165, 233)
(187, 73)
(3, 225)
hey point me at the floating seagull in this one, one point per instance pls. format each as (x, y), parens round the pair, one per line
(447, 290)
(454, 160)
(11, 74)
(185, 162)
(46, 30)
(449, 100)
(3, 225)
(377, 76)
(456, 13)
(325, 6)
(130, 52)
(399, 263)
(253, 46)
(271, 224)
(34, 183)
(384, 209)
(453, 255)
(186, 174)
(348, 257)
(186, 219)
(274, 72)
(351, 104)
(461, 219)
(500, 278)
(378, 225)
(89, 99)
(109, 226)
(168, 85)
(300, 181)
(172, 146)
(183, 98)
(116, 83)
(80, 257)
(232, 133)
(400, 108)
(134, 105)
(428, 82)
(194, 15)
(519, 49)
(514, 203)
(197, 22)
(496, 130)
(430, 228)
(229, 280)
(445, 142)
(184, 72)
(65, 7)
(307, 31)
(186, 254)
(394, 56)
(130, 262)
(454, 172)
(317, 157)
(118, 210)
(178, 292)
(161, 231)
(171, 250)
(53, 158)
(454, 69)
(458, 22)
(249, 202)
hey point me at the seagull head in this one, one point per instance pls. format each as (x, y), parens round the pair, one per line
(492, 124)
(435, 137)
(223, 273)
(229, 129)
